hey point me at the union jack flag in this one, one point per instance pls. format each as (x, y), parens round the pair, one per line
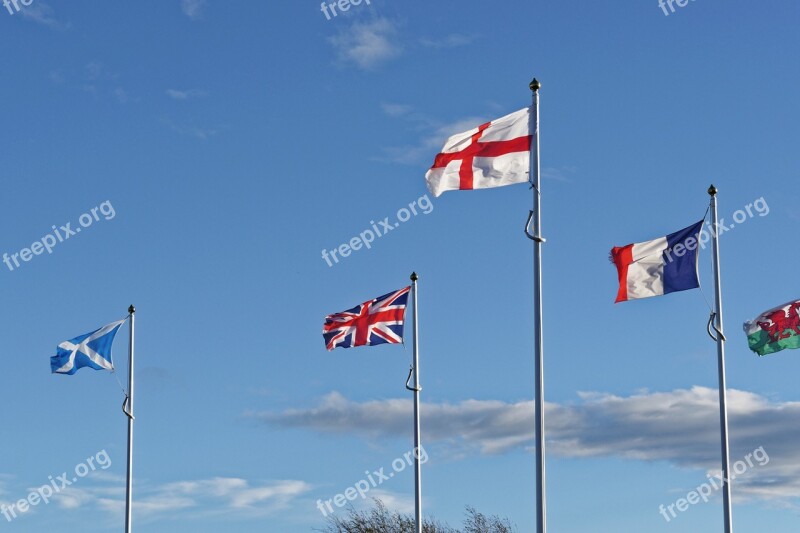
(378, 321)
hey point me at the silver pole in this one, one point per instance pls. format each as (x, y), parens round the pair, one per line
(417, 445)
(129, 413)
(541, 500)
(723, 409)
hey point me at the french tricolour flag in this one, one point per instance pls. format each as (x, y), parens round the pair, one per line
(661, 266)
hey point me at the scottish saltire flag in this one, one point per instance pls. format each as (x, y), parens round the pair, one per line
(92, 350)
(775, 330)
(661, 266)
(378, 321)
(492, 155)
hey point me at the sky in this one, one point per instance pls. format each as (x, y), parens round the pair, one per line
(224, 145)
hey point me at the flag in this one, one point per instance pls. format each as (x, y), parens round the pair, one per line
(492, 155)
(92, 350)
(661, 266)
(378, 321)
(775, 330)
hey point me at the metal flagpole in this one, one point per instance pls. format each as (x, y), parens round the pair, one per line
(129, 413)
(416, 389)
(720, 338)
(538, 240)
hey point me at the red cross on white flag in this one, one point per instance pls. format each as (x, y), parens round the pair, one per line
(492, 155)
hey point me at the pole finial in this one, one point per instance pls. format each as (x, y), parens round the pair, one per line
(131, 309)
(535, 85)
(414, 276)
(712, 191)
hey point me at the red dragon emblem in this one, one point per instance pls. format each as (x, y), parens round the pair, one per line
(782, 323)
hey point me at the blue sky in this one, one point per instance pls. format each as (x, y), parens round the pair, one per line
(236, 140)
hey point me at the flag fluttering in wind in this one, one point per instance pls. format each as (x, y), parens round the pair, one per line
(503, 152)
(775, 330)
(492, 155)
(92, 350)
(661, 266)
(378, 321)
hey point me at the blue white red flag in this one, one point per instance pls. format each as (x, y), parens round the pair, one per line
(378, 321)
(661, 266)
(92, 349)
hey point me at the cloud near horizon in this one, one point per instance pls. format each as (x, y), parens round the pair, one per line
(680, 427)
(203, 497)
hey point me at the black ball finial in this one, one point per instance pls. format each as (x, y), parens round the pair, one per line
(131, 309)
(535, 85)
(414, 276)
(712, 191)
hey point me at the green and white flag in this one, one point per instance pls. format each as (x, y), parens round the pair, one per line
(775, 330)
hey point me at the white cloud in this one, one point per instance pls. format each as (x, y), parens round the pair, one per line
(122, 95)
(96, 79)
(432, 136)
(367, 44)
(278, 495)
(5, 479)
(193, 8)
(76, 497)
(230, 493)
(41, 13)
(561, 174)
(400, 503)
(94, 71)
(192, 131)
(56, 76)
(680, 427)
(449, 41)
(176, 94)
(213, 495)
(396, 110)
(147, 506)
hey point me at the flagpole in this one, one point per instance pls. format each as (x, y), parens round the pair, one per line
(129, 413)
(416, 389)
(538, 240)
(723, 409)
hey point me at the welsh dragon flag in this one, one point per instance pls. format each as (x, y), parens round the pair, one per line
(775, 330)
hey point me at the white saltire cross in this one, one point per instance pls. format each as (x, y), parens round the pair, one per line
(84, 348)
